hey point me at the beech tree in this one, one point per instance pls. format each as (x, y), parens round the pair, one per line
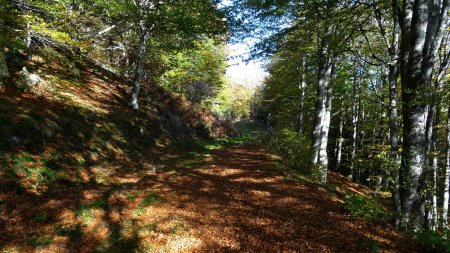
(422, 23)
(178, 22)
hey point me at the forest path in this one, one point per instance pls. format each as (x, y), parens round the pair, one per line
(226, 197)
(237, 201)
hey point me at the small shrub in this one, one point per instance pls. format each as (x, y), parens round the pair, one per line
(139, 211)
(364, 207)
(86, 215)
(291, 146)
(435, 242)
(39, 240)
(34, 173)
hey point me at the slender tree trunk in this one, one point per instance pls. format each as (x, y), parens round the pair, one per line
(355, 122)
(323, 153)
(3, 67)
(142, 53)
(322, 114)
(302, 88)
(361, 137)
(28, 43)
(432, 137)
(428, 167)
(445, 201)
(393, 138)
(339, 142)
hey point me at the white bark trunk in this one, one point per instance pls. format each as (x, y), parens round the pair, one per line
(421, 33)
(28, 43)
(142, 53)
(340, 142)
(393, 138)
(322, 115)
(302, 88)
(355, 122)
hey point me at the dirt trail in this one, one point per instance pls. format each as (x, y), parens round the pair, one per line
(233, 200)
(236, 201)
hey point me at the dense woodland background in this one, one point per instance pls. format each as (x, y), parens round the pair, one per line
(355, 87)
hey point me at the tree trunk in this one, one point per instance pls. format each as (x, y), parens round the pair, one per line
(355, 122)
(4, 73)
(322, 113)
(444, 217)
(142, 52)
(422, 26)
(28, 43)
(393, 138)
(302, 88)
(339, 142)
(3, 67)
(433, 121)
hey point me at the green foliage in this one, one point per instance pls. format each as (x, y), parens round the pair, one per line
(434, 241)
(85, 214)
(196, 72)
(176, 229)
(139, 211)
(34, 174)
(39, 240)
(74, 233)
(233, 102)
(292, 147)
(100, 204)
(150, 199)
(365, 207)
(42, 217)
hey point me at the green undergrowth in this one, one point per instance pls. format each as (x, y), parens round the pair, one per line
(434, 241)
(365, 207)
(293, 148)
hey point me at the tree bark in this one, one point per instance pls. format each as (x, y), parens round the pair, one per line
(322, 113)
(355, 122)
(445, 201)
(339, 142)
(28, 43)
(142, 53)
(422, 26)
(3, 67)
(433, 121)
(393, 138)
(302, 88)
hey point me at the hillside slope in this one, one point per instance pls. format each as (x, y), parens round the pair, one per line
(85, 120)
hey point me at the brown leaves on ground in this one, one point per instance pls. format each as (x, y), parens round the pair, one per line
(234, 202)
